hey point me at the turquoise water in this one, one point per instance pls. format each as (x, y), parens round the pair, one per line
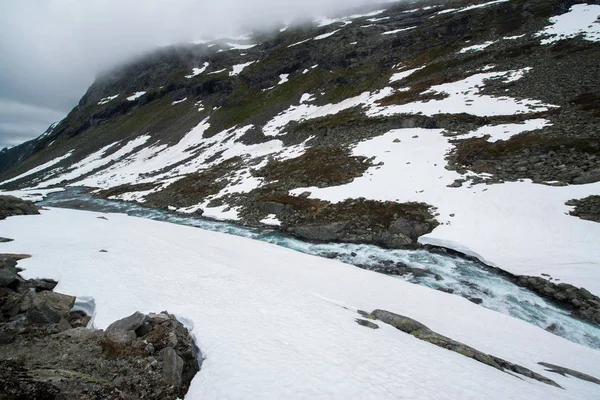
(459, 276)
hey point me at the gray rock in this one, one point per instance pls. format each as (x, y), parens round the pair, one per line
(130, 323)
(143, 330)
(422, 332)
(304, 195)
(412, 229)
(50, 307)
(43, 284)
(401, 322)
(588, 177)
(10, 205)
(366, 323)
(271, 207)
(156, 319)
(121, 337)
(172, 366)
(567, 371)
(7, 277)
(322, 232)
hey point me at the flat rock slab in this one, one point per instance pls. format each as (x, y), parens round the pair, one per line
(130, 323)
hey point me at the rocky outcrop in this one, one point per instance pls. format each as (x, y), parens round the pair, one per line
(587, 208)
(388, 224)
(420, 331)
(11, 205)
(584, 305)
(47, 352)
(567, 371)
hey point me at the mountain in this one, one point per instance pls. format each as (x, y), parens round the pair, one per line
(461, 124)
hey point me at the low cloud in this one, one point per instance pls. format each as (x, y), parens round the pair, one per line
(20, 121)
(52, 49)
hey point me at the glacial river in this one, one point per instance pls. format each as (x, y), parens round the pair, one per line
(460, 276)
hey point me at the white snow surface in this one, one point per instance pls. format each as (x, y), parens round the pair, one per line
(324, 21)
(476, 6)
(582, 19)
(326, 35)
(283, 78)
(217, 72)
(520, 227)
(178, 101)
(197, 71)
(271, 219)
(300, 42)
(136, 96)
(506, 131)
(477, 47)
(278, 324)
(107, 99)
(240, 46)
(398, 76)
(38, 168)
(398, 30)
(236, 69)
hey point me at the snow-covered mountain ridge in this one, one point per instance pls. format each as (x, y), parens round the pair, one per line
(463, 124)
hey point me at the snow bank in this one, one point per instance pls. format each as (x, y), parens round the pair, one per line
(274, 323)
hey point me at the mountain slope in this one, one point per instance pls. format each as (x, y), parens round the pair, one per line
(462, 124)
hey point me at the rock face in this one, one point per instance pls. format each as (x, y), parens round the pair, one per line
(46, 352)
(10, 205)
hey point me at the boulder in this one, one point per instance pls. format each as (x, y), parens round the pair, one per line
(50, 307)
(172, 366)
(121, 337)
(7, 277)
(10, 205)
(130, 323)
(321, 232)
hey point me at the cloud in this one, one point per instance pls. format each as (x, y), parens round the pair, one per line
(20, 122)
(52, 49)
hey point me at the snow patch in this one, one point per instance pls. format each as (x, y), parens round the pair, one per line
(271, 219)
(283, 78)
(197, 71)
(326, 35)
(106, 100)
(477, 47)
(582, 19)
(236, 69)
(398, 30)
(136, 96)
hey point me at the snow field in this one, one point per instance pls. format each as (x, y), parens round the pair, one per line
(275, 323)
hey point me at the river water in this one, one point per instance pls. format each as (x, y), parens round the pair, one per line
(453, 274)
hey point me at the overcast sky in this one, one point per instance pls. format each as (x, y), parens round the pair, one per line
(51, 50)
